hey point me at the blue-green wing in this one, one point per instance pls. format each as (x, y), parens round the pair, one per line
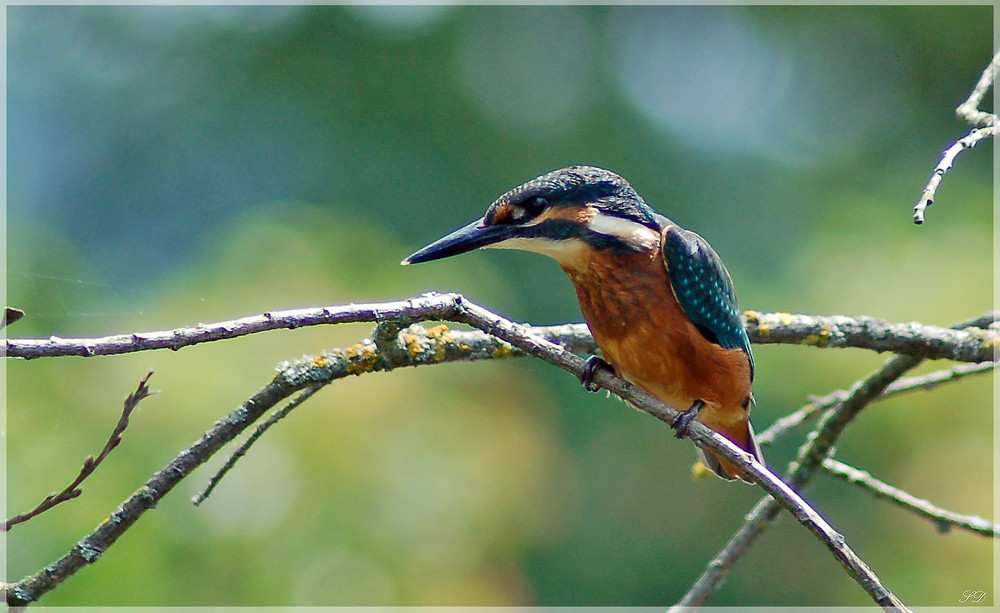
(704, 289)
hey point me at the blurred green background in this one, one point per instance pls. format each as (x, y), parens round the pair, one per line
(175, 165)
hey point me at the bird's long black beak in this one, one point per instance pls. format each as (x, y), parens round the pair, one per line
(463, 240)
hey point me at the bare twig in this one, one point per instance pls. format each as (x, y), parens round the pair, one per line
(943, 519)
(202, 333)
(968, 141)
(272, 419)
(985, 126)
(382, 354)
(969, 111)
(787, 423)
(90, 464)
(836, 331)
(936, 378)
(817, 404)
(801, 470)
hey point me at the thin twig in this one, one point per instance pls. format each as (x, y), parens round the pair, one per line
(801, 470)
(969, 111)
(968, 141)
(943, 519)
(936, 378)
(262, 427)
(787, 423)
(764, 328)
(985, 126)
(90, 464)
(818, 404)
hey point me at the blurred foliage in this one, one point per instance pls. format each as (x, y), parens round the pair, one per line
(169, 165)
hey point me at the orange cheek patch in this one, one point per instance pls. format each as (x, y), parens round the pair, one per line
(501, 214)
(578, 215)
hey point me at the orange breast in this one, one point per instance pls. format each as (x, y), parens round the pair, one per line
(643, 332)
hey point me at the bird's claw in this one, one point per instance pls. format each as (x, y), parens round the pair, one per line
(590, 369)
(682, 422)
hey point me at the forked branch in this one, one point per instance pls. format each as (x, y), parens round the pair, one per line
(984, 126)
(800, 471)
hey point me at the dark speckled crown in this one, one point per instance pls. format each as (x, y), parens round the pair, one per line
(577, 185)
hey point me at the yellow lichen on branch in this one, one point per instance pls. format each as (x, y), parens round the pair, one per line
(361, 358)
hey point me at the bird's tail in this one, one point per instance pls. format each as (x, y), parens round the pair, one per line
(746, 441)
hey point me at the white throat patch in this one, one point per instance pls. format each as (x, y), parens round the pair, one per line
(563, 251)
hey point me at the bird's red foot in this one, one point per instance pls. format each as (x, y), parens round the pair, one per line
(590, 369)
(682, 422)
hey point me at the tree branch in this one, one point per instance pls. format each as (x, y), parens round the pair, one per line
(90, 464)
(835, 331)
(932, 342)
(943, 519)
(383, 352)
(985, 127)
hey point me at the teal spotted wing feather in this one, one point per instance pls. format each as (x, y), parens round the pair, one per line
(704, 289)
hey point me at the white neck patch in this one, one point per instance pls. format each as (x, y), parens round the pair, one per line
(628, 231)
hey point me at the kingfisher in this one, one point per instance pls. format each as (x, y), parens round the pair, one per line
(656, 297)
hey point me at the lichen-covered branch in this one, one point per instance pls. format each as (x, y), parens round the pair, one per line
(779, 492)
(932, 342)
(944, 520)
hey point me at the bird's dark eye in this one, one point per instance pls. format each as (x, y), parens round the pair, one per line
(535, 205)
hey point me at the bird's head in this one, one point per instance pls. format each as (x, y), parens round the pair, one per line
(561, 214)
